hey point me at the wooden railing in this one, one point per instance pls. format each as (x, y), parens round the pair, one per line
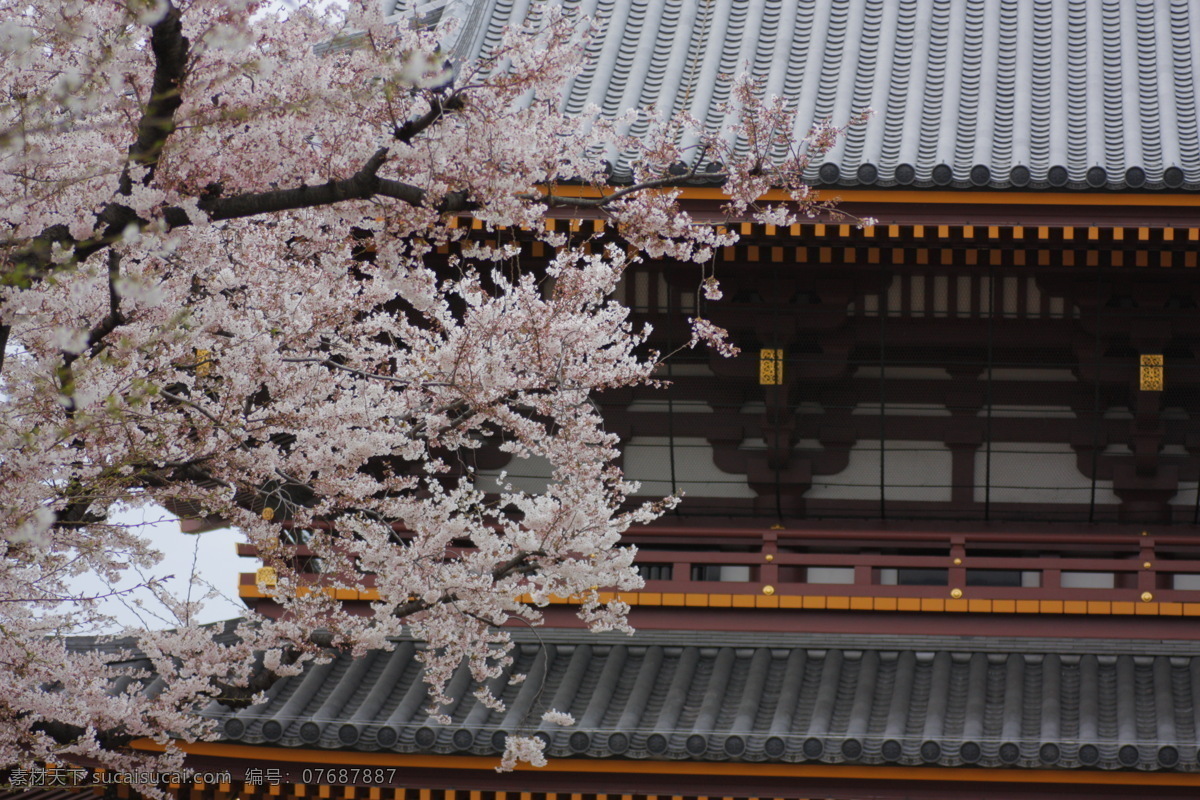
(978, 565)
(867, 564)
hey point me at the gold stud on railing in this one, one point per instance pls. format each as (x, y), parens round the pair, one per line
(1151, 373)
(956, 593)
(770, 366)
(1146, 565)
(769, 557)
(1147, 597)
(265, 576)
(268, 514)
(768, 589)
(957, 562)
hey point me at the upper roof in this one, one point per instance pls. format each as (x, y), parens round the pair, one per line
(1028, 94)
(769, 697)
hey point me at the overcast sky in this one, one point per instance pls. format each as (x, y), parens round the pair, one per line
(212, 555)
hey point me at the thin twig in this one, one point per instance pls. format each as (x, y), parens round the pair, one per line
(330, 363)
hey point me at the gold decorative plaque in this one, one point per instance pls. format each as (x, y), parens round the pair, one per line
(1151, 373)
(770, 366)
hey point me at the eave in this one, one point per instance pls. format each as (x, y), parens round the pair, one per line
(475, 778)
(958, 207)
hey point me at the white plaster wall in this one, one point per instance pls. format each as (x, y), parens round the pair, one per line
(1036, 472)
(648, 460)
(901, 410)
(1028, 412)
(1087, 580)
(1029, 374)
(523, 474)
(1186, 496)
(658, 406)
(834, 575)
(921, 373)
(912, 471)
(1187, 582)
(679, 370)
(737, 573)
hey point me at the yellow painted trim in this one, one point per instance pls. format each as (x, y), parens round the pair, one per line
(851, 603)
(579, 765)
(938, 197)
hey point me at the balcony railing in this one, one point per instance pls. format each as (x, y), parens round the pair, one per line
(981, 566)
(1134, 568)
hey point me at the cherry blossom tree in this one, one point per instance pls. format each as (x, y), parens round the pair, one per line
(233, 283)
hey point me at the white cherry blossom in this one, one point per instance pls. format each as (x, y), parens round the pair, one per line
(232, 283)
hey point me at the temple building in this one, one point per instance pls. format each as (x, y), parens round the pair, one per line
(940, 534)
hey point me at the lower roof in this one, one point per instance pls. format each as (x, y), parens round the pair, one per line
(739, 697)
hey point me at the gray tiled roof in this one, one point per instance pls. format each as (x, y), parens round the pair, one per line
(786, 697)
(1039, 94)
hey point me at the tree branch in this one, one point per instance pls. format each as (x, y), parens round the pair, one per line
(671, 182)
(239, 697)
(35, 261)
(170, 49)
(95, 337)
(327, 362)
(360, 186)
(437, 107)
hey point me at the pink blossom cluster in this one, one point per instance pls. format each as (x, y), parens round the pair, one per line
(225, 290)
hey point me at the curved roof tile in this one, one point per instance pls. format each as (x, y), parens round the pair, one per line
(1040, 94)
(788, 697)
